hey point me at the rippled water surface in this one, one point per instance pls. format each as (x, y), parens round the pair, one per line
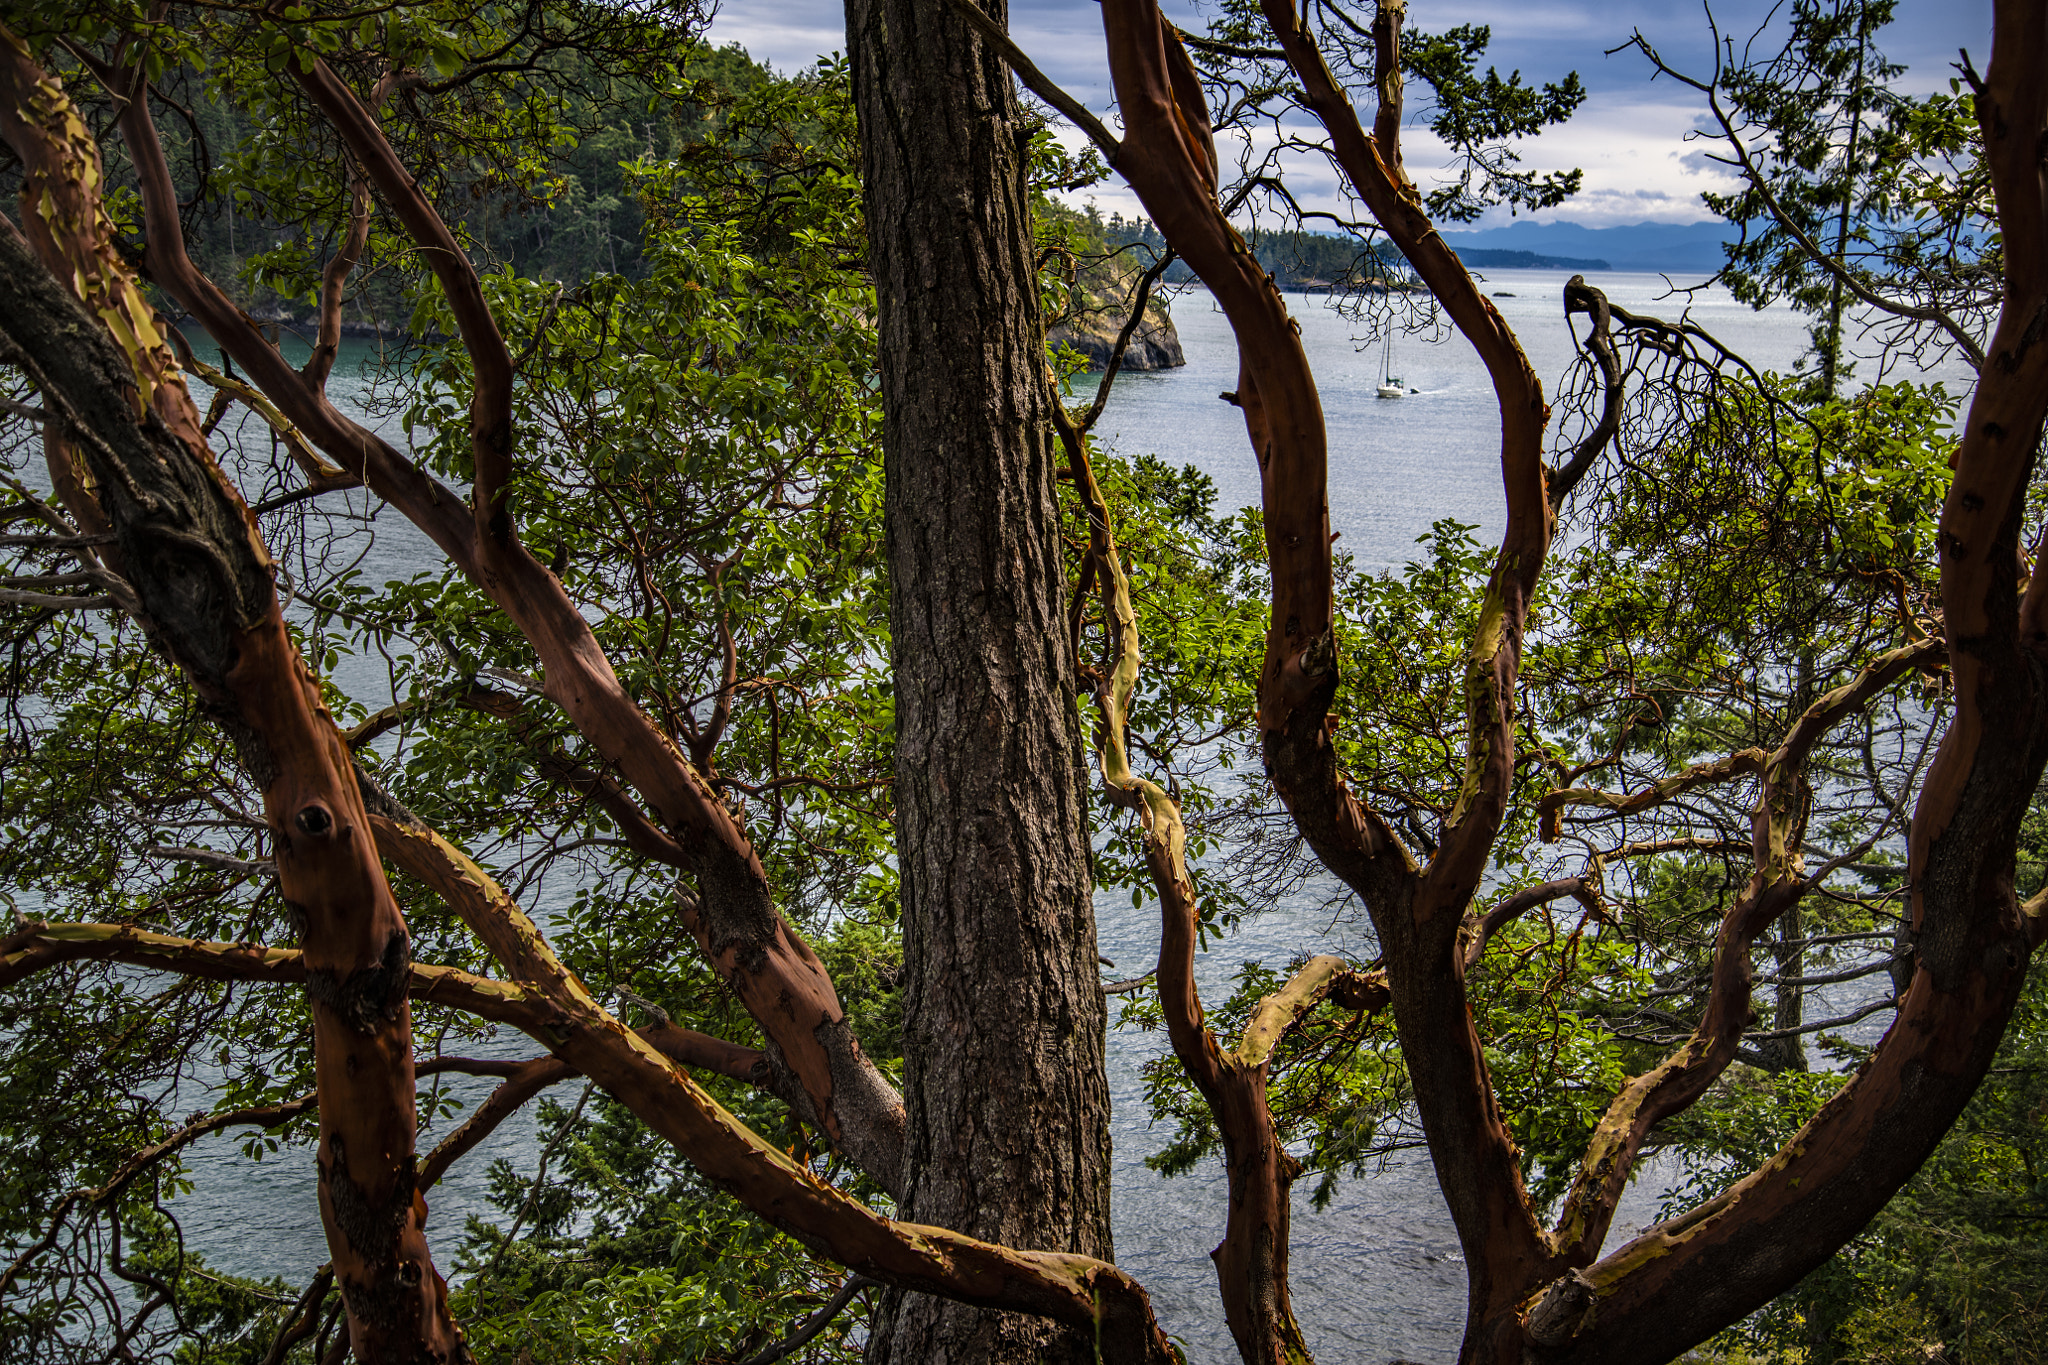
(1376, 1276)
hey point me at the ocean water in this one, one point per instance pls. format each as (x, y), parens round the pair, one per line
(1376, 1276)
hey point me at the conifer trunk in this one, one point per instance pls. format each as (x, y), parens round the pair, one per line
(1004, 1089)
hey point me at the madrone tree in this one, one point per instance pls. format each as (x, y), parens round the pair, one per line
(698, 631)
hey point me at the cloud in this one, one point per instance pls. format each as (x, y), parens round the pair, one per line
(788, 35)
(1630, 136)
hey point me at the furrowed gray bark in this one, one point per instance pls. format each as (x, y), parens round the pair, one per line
(1003, 1018)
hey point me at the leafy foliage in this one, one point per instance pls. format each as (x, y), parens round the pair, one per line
(700, 460)
(1852, 191)
(1734, 565)
(673, 244)
(629, 1256)
(1479, 117)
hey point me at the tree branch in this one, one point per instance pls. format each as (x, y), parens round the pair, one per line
(1580, 297)
(774, 973)
(490, 407)
(1741, 763)
(1419, 926)
(520, 947)
(529, 1080)
(1776, 886)
(807, 1330)
(1038, 82)
(1251, 1264)
(1279, 1012)
(333, 278)
(304, 1318)
(321, 476)
(205, 592)
(428, 504)
(1813, 250)
(1480, 929)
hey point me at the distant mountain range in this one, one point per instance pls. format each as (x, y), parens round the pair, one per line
(1486, 258)
(1315, 261)
(1689, 248)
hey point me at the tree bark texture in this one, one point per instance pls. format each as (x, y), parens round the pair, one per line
(1169, 160)
(1005, 1095)
(733, 916)
(1251, 1261)
(202, 587)
(1670, 1287)
(1534, 1295)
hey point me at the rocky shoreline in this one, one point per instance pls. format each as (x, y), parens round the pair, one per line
(373, 329)
(1155, 345)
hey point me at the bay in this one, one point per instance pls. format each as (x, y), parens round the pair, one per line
(1376, 1276)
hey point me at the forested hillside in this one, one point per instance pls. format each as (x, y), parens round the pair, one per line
(708, 716)
(1324, 261)
(562, 209)
(1297, 258)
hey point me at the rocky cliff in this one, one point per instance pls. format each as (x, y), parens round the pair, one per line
(1155, 345)
(1099, 283)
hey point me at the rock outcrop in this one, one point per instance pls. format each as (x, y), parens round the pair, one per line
(1100, 287)
(1155, 345)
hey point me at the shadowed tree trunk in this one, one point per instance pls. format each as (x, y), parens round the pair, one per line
(1539, 1295)
(1006, 1114)
(200, 581)
(1006, 1101)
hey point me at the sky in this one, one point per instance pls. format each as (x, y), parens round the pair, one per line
(1629, 136)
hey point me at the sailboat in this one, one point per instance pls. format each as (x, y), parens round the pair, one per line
(1391, 385)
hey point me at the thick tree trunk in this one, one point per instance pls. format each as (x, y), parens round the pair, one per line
(1003, 1017)
(202, 588)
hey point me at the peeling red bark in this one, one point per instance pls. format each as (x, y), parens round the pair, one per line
(1972, 943)
(776, 976)
(1419, 912)
(202, 583)
(1525, 1295)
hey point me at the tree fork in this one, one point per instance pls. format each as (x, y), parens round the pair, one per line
(1476, 1162)
(203, 583)
(1167, 158)
(773, 971)
(1682, 1280)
